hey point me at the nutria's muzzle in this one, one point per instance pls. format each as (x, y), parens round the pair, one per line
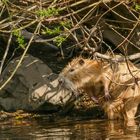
(66, 84)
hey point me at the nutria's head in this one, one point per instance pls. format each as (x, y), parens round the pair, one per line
(78, 72)
(69, 78)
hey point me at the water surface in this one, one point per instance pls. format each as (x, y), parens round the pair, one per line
(41, 129)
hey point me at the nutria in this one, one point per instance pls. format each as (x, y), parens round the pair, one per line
(98, 78)
(89, 75)
(85, 74)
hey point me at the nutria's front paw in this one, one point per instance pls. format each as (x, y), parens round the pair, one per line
(95, 100)
(107, 96)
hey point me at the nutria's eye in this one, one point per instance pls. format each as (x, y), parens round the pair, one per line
(71, 70)
(81, 62)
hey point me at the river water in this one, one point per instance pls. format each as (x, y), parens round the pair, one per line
(40, 129)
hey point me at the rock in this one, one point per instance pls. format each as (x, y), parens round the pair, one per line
(34, 87)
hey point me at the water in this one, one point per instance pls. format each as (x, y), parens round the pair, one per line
(41, 129)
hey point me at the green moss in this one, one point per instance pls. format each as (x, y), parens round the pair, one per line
(48, 12)
(137, 7)
(66, 24)
(59, 40)
(19, 38)
(54, 31)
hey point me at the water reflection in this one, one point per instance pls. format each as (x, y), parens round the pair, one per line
(67, 130)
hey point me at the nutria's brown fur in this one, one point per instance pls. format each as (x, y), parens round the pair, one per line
(98, 78)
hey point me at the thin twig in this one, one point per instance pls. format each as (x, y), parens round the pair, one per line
(6, 52)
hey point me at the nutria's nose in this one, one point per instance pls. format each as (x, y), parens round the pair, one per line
(61, 80)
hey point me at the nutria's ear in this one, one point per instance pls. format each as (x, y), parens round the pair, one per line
(81, 62)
